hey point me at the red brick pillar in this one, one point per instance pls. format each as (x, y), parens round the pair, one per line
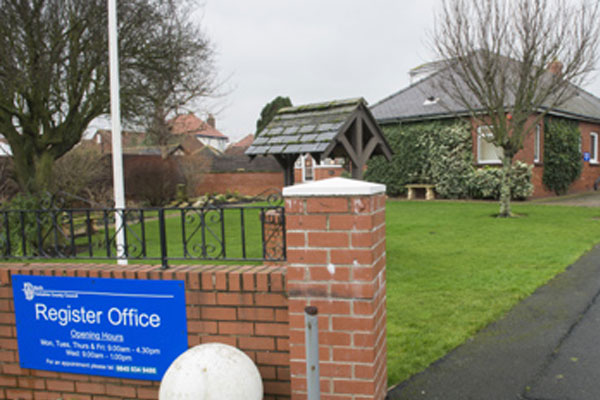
(336, 262)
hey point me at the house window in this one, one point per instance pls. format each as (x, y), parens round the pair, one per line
(308, 169)
(594, 147)
(536, 144)
(487, 152)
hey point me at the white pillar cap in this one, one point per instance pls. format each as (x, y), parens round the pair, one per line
(334, 187)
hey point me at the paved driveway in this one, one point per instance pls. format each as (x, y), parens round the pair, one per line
(588, 199)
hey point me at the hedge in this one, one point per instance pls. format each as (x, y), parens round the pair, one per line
(562, 154)
(440, 153)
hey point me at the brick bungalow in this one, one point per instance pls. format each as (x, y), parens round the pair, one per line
(423, 101)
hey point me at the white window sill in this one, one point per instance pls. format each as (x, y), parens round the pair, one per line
(328, 166)
(489, 162)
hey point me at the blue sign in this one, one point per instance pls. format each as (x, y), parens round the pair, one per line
(112, 327)
(586, 156)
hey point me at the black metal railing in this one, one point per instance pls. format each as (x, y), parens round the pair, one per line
(254, 232)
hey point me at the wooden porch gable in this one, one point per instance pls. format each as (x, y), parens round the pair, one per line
(341, 128)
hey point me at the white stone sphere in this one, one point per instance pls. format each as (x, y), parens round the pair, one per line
(212, 371)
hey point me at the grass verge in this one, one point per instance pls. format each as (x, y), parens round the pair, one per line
(452, 269)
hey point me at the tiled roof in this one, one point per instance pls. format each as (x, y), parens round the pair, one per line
(135, 142)
(426, 100)
(246, 141)
(304, 129)
(190, 124)
(236, 162)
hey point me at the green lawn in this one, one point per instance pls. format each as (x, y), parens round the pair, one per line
(453, 268)
(189, 225)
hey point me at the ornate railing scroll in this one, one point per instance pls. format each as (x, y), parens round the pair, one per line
(251, 232)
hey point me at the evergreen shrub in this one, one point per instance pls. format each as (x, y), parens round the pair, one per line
(485, 182)
(426, 152)
(562, 154)
(440, 153)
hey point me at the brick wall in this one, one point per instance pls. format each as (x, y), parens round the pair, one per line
(320, 172)
(336, 262)
(243, 306)
(246, 183)
(590, 171)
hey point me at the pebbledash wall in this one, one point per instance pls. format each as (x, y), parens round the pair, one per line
(336, 262)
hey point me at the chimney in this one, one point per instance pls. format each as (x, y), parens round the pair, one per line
(211, 121)
(555, 67)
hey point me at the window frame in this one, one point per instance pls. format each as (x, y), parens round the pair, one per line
(537, 144)
(593, 148)
(480, 138)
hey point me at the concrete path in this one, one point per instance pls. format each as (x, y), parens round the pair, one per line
(587, 199)
(546, 348)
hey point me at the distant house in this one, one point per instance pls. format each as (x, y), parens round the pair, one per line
(205, 132)
(187, 139)
(424, 101)
(241, 145)
(232, 171)
(102, 140)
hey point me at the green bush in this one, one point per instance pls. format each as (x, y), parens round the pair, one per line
(452, 161)
(427, 152)
(440, 153)
(485, 182)
(562, 155)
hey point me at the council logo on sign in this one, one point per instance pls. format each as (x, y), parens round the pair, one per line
(31, 290)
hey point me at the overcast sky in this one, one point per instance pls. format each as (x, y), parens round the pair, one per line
(312, 51)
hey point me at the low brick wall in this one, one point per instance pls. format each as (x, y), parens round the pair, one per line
(335, 261)
(246, 183)
(244, 306)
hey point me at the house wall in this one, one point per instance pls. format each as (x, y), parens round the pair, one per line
(216, 143)
(590, 171)
(320, 173)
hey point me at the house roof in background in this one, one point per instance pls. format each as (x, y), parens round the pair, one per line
(305, 129)
(237, 161)
(426, 100)
(135, 143)
(246, 141)
(186, 124)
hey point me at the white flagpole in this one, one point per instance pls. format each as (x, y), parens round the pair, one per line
(115, 112)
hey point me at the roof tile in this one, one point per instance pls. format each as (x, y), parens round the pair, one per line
(302, 129)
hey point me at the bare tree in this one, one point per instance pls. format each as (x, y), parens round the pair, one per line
(54, 71)
(179, 72)
(509, 62)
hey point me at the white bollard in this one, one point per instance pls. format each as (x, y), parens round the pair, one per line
(212, 371)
